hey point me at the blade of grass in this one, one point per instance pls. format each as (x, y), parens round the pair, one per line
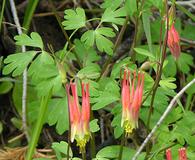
(32, 4)
(181, 8)
(147, 30)
(38, 126)
(2, 11)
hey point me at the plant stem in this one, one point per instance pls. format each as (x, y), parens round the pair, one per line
(92, 141)
(159, 73)
(69, 130)
(121, 147)
(188, 101)
(24, 84)
(64, 31)
(2, 11)
(161, 150)
(118, 41)
(38, 126)
(32, 4)
(83, 155)
(132, 53)
(166, 112)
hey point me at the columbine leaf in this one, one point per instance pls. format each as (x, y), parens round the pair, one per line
(86, 54)
(184, 62)
(91, 71)
(105, 99)
(103, 44)
(5, 87)
(144, 52)
(167, 83)
(74, 19)
(58, 114)
(34, 40)
(16, 63)
(114, 16)
(39, 67)
(111, 4)
(88, 37)
(61, 149)
(45, 74)
(94, 127)
(105, 31)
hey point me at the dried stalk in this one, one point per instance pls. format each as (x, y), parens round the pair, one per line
(171, 105)
(24, 85)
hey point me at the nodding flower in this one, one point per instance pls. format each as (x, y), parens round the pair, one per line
(131, 100)
(173, 42)
(79, 117)
(182, 154)
(168, 154)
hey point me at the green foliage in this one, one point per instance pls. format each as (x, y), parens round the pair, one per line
(108, 94)
(91, 71)
(58, 114)
(32, 4)
(112, 152)
(144, 52)
(5, 87)
(114, 15)
(83, 60)
(94, 127)
(61, 149)
(16, 63)
(147, 29)
(131, 7)
(34, 40)
(99, 36)
(74, 19)
(86, 54)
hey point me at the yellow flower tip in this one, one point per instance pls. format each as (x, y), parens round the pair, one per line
(81, 142)
(128, 127)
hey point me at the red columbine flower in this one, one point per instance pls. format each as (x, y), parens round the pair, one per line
(168, 154)
(182, 154)
(79, 118)
(131, 100)
(174, 41)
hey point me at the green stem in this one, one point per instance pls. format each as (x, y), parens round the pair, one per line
(159, 73)
(2, 11)
(83, 155)
(32, 4)
(64, 32)
(92, 141)
(38, 126)
(121, 147)
(161, 150)
(188, 101)
(118, 41)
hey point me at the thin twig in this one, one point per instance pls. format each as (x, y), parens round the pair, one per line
(170, 106)
(13, 25)
(24, 86)
(121, 147)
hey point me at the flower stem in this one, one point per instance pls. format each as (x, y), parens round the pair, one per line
(83, 155)
(92, 141)
(117, 43)
(121, 147)
(159, 73)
